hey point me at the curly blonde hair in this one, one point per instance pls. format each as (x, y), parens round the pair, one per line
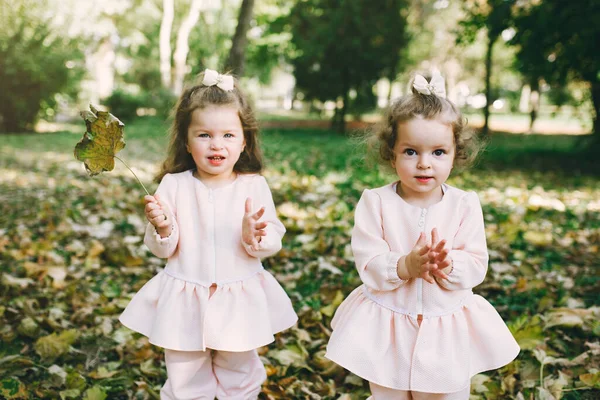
(382, 139)
(199, 96)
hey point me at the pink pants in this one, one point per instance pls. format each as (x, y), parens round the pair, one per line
(204, 375)
(383, 393)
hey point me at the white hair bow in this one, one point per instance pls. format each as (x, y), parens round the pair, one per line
(212, 78)
(435, 86)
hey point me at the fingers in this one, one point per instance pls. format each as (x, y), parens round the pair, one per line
(421, 241)
(439, 273)
(431, 268)
(149, 199)
(156, 212)
(424, 259)
(162, 222)
(434, 236)
(254, 244)
(150, 207)
(260, 225)
(423, 251)
(158, 218)
(261, 232)
(442, 255)
(248, 209)
(257, 215)
(444, 264)
(427, 277)
(440, 246)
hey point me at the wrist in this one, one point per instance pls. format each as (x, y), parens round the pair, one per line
(164, 232)
(402, 269)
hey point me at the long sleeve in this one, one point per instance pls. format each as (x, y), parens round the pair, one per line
(469, 252)
(271, 243)
(375, 262)
(164, 247)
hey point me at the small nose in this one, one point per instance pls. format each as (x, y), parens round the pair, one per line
(423, 162)
(216, 144)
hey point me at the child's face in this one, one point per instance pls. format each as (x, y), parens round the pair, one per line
(424, 155)
(215, 140)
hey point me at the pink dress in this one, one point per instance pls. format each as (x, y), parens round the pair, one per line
(174, 309)
(375, 330)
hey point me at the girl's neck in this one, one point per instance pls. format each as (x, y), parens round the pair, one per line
(420, 199)
(215, 182)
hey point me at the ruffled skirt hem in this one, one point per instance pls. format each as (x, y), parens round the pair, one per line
(440, 356)
(180, 315)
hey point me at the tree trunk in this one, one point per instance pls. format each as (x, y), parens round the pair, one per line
(165, 43)
(524, 99)
(488, 85)
(341, 128)
(596, 101)
(345, 100)
(237, 54)
(534, 99)
(104, 69)
(9, 122)
(182, 48)
(391, 77)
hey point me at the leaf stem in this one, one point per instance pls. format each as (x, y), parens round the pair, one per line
(136, 177)
(542, 375)
(579, 388)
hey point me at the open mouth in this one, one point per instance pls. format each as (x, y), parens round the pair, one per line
(216, 160)
(424, 178)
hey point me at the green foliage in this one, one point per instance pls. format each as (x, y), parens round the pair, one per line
(344, 46)
(36, 63)
(126, 104)
(492, 15)
(559, 44)
(555, 54)
(267, 51)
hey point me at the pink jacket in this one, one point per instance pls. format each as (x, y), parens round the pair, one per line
(205, 245)
(177, 309)
(377, 332)
(386, 228)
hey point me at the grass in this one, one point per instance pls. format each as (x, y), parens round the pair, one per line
(146, 139)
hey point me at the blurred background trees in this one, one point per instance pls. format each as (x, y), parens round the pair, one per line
(342, 59)
(38, 64)
(344, 47)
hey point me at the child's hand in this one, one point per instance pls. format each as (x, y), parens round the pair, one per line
(439, 255)
(252, 229)
(416, 263)
(158, 215)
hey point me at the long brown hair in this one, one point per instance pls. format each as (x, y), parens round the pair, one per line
(199, 96)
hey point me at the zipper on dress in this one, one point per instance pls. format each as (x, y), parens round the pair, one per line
(420, 280)
(211, 200)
